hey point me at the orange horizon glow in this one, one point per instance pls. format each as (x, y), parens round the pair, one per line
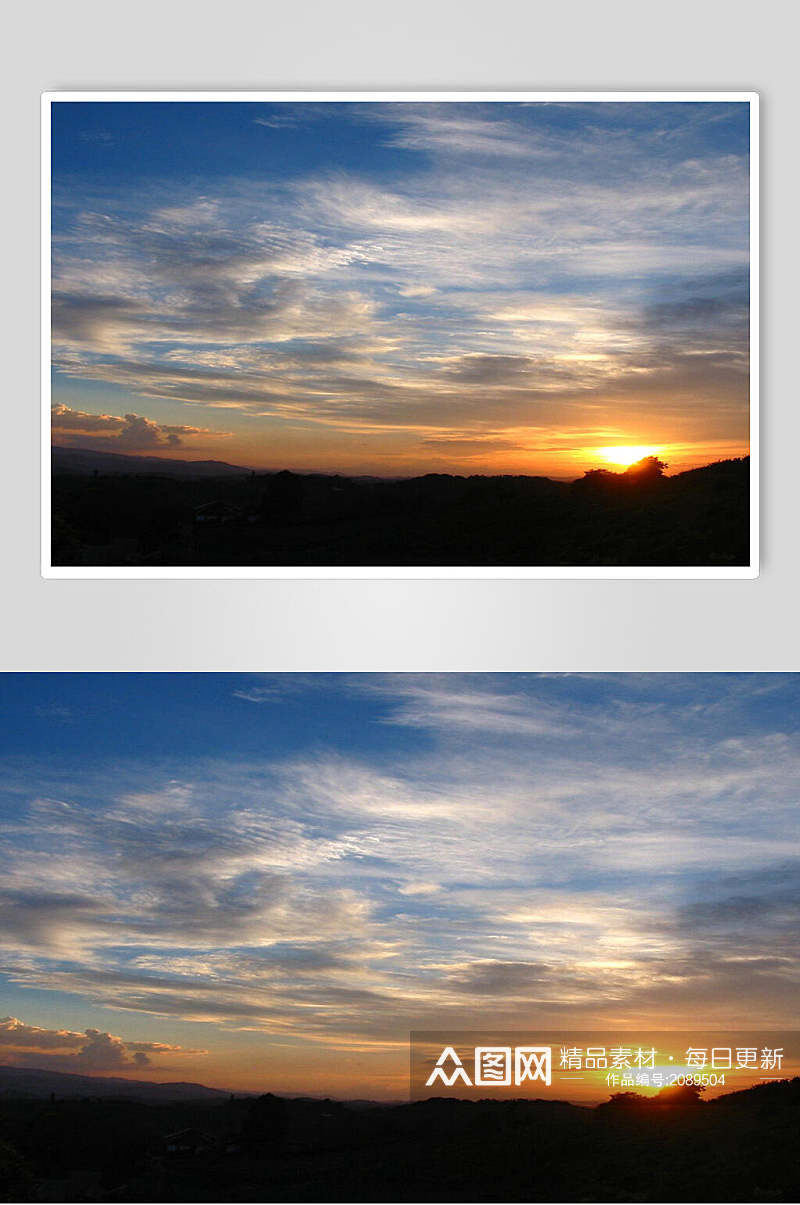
(342, 1077)
(567, 463)
(367, 1068)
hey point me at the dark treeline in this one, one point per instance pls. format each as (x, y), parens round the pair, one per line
(639, 517)
(740, 1147)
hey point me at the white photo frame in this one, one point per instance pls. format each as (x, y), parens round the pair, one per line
(750, 570)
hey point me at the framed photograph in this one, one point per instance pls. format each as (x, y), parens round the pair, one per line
(400, 334)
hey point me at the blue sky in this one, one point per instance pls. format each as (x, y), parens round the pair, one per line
(265, 881)
(401, 287)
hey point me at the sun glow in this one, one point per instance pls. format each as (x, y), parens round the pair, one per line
(628, 455)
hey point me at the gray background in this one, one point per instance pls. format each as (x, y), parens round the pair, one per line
(414, 625)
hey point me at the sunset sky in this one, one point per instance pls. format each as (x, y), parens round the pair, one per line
(266, 882)
(400, 288)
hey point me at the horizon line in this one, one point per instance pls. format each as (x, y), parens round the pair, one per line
(392, 477)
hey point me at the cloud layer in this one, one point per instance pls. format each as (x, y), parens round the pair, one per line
(558, 850)
(490, 285)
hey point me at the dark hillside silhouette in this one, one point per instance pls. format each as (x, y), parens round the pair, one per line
(741, 1147)
(82, 460)
(34, 1083)
(639, 517)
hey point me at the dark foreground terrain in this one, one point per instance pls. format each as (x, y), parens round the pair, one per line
(116, 514)
(740, 1147)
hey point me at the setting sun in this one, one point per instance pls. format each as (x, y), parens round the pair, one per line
(628, 455)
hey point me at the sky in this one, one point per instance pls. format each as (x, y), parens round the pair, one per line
(267, 882)
(396, 288)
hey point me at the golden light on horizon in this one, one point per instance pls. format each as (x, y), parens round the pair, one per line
(627, 455)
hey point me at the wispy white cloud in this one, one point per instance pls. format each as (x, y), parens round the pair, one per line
(441, 130)
(439, 706)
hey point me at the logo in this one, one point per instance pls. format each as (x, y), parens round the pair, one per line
(494, 1067)
(478, 1063)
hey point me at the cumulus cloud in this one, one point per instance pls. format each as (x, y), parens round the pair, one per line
(93, 1050)
(130, 432)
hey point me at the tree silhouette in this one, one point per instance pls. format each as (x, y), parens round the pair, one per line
(673, 1096)
(628, 1100)
(649, 468)
(599, 475)
(643, 472)
(680, 1094)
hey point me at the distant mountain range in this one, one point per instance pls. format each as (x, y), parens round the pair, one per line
(33, 1082)
(82, 460)
(85, 461)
